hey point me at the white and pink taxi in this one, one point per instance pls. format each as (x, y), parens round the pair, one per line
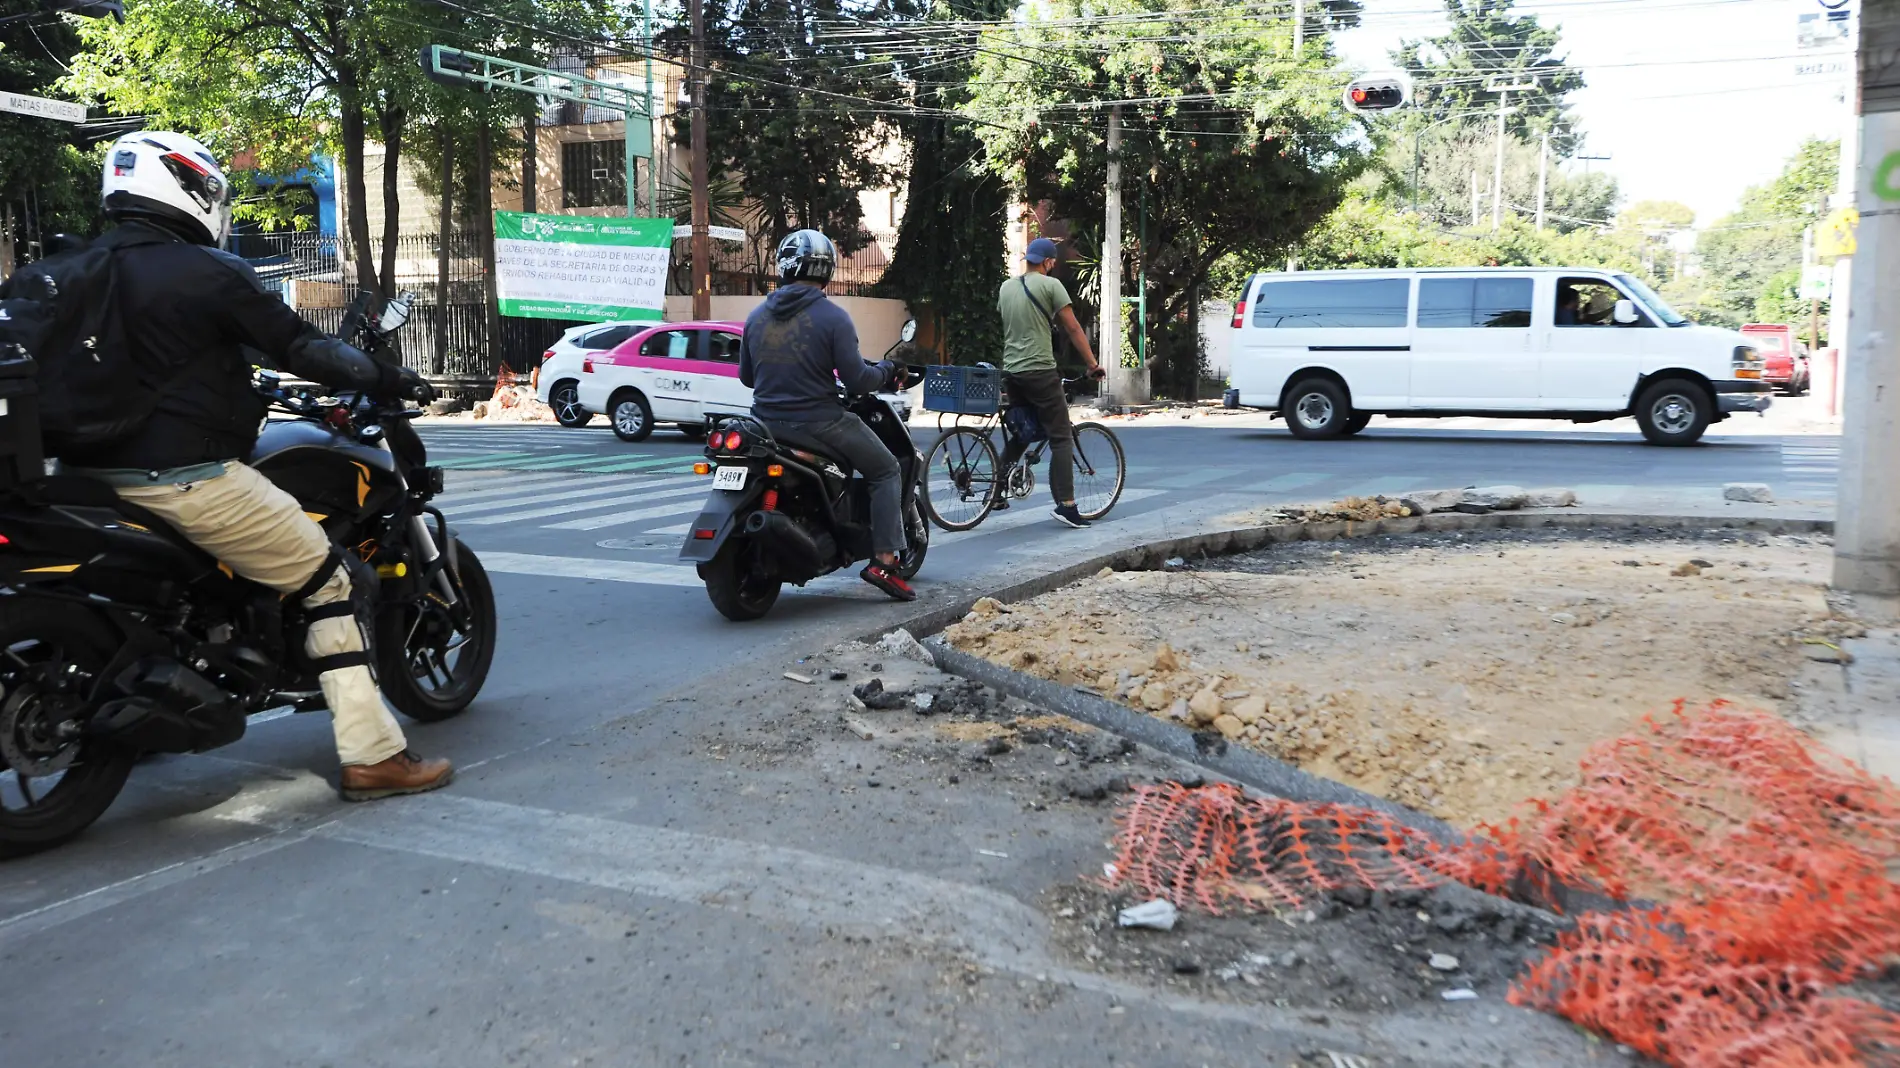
(683, 374)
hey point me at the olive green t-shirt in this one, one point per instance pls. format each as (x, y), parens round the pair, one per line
(1027, 344)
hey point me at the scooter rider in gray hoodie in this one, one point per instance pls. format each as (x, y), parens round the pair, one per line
(797, 348)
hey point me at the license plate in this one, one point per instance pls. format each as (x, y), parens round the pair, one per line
(730, 478)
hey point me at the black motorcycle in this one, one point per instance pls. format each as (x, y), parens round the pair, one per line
(119, 637)
(781, 510)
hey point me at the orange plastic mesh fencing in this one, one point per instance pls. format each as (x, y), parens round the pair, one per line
(505, 381)
(1756, 863)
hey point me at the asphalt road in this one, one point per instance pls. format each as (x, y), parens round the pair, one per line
(229, 911)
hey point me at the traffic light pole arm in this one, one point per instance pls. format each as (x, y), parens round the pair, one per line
(456, 64)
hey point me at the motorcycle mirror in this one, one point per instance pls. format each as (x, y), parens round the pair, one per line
(395, 313)
(909, 333)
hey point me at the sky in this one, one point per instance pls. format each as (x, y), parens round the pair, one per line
(1694, 100)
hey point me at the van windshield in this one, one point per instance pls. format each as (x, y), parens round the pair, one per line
(1656, 304)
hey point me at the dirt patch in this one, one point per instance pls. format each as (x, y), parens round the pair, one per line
(1458, 673)
(1360, 950)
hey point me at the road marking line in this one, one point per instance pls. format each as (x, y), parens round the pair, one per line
(485, 458)
(607, 467)
(584, 506)
(620, 518)
(1035, 510)
(567, 462)
(752, 879)
(580, 567)
(573, 493)
(1290, 481)
(1190, 479)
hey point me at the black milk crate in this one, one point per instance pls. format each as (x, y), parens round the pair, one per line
(963, 390)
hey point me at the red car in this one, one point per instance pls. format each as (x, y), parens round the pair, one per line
(1784, 360)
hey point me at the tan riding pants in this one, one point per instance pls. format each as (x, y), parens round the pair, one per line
(262, 533)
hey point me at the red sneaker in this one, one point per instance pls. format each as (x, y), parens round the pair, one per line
(889, 581)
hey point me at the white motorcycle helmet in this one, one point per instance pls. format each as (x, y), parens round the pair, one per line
(170, 179)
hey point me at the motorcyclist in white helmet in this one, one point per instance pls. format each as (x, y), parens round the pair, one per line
(195, 309)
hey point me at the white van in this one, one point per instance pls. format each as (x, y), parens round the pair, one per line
(1331, 349)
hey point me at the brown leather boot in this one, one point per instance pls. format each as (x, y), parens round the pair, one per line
(404, 773)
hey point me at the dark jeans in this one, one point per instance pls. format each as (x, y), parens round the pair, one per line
(1042, 390)
(848, 439)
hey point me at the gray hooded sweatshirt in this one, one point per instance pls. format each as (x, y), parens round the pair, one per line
(798, 346)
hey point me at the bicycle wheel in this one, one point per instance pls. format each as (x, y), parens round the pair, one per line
(959, 478)
(1100, 470)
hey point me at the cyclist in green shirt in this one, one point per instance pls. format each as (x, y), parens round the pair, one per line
(1033, 305)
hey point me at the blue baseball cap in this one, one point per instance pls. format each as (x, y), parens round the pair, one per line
(1039, 250)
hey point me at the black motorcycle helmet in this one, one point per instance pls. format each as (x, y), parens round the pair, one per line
(806, 256)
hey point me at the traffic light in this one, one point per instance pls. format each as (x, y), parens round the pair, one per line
(450, 66)
(1377, 92)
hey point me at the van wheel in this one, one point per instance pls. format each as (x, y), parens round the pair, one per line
(1358, 422)
(1317, 408)
(631, 416)
(1674, 411)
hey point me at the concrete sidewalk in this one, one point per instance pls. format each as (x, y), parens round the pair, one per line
(1853, 705)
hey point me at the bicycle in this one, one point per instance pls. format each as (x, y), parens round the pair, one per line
(961, 480)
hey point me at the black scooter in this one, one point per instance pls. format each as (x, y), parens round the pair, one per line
(781, 510)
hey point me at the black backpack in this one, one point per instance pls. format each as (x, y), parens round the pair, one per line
(63, 311)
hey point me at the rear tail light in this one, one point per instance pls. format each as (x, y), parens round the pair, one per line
(587, 366)
(734, 441)
(771, 500)
(546, 356)
(1240, 314)
(704, 535)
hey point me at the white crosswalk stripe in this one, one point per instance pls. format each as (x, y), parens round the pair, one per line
(571, 507)
(578, 493)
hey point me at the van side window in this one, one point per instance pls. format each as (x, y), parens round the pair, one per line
(1463, 303)
(1588, 302)
(1345, 303)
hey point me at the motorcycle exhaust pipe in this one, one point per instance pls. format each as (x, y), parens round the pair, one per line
(786, 538)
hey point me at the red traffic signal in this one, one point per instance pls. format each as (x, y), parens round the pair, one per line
(1377, 93)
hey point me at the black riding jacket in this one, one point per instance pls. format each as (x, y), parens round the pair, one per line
(203, 314)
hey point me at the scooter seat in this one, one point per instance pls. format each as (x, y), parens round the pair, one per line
(799, 442)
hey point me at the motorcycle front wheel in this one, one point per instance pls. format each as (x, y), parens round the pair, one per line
(54, 781)
(432, 658)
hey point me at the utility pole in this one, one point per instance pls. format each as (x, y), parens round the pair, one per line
(1497, 181)
(1867, 519)
(1543, 178)
(702, 208)
(1110, 316)
(1299, 27)
(1839, 317)
(1477, 206)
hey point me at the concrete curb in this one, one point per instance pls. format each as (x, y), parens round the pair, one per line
(1206, 749)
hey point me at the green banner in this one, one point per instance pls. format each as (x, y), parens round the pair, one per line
(603, 268)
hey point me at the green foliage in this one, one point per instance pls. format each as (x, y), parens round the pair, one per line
(1238, 145)
(37, 160)
(1488, 43)
(1750, 261)
(802, 155)
(1442, 160)
(1366, 233)
(950, 249)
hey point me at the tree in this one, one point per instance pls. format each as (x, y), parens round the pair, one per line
(38, 163)
(785, 113)
(950, 249)
(1443, 161)
(1365, 232)
(1750, 261)
(1236, 143)
(283, 78)
(1488, 45)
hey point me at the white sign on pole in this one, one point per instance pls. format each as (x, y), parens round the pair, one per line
(1817, 282)
(40, 107)
(717, 233)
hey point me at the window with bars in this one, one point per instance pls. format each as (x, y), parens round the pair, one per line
(593, 174)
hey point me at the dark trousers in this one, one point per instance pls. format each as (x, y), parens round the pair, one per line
(856, 444)
(1042, 390)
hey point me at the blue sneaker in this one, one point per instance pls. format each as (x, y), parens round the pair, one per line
(1067, 515)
